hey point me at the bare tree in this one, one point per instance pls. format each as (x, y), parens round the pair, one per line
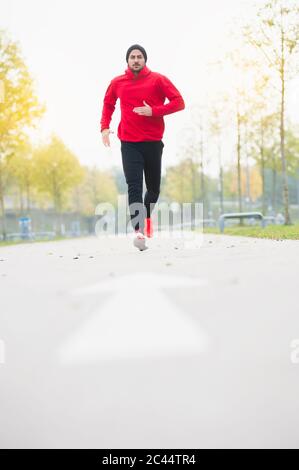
(275, 33)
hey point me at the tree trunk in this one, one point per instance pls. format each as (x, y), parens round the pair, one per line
(202, 176)
(239, 164)
(58, 211)
(28, 197)
(282, 133)
(263, 171)
(57, 204)
(220, 179)
(202, 182)
(274, 178)
(21, 202)
(193, 182)
(248, 192)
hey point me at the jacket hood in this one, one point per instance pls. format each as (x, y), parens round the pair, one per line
(143, 73)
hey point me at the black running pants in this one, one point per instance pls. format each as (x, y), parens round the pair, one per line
(140, 158)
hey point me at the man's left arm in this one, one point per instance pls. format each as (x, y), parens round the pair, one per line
(176, 102)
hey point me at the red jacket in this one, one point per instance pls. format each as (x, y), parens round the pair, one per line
(132, 90)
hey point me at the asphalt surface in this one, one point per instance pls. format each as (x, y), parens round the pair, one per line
(103, 346)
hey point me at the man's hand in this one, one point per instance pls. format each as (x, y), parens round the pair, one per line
(105, 137)
(144, 110)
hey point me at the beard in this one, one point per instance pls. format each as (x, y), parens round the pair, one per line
(136, 68)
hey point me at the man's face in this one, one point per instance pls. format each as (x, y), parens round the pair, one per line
(136, 61)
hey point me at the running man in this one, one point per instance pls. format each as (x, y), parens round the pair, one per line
(142, 94)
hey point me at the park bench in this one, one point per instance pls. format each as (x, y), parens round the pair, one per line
(240, 215)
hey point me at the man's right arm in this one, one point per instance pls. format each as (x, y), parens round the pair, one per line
(108, 109)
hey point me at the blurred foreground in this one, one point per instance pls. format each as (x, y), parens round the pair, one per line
(107, 347)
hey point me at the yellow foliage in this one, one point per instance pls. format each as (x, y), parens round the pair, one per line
(255, 183)
(56, 171)
(97, 187)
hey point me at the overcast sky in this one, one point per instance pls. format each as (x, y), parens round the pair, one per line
(74, 48)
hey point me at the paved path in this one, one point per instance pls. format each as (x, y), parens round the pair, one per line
(107, 347)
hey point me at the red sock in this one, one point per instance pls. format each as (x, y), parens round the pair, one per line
(148, 227)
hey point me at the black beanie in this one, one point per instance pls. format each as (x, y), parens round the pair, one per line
(140, 48)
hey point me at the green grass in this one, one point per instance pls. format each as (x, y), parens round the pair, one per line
(275, 232)
(18, 242)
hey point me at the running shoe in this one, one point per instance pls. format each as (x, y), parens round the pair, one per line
(139, 241)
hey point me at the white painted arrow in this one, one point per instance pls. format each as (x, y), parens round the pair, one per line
(138, 321)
